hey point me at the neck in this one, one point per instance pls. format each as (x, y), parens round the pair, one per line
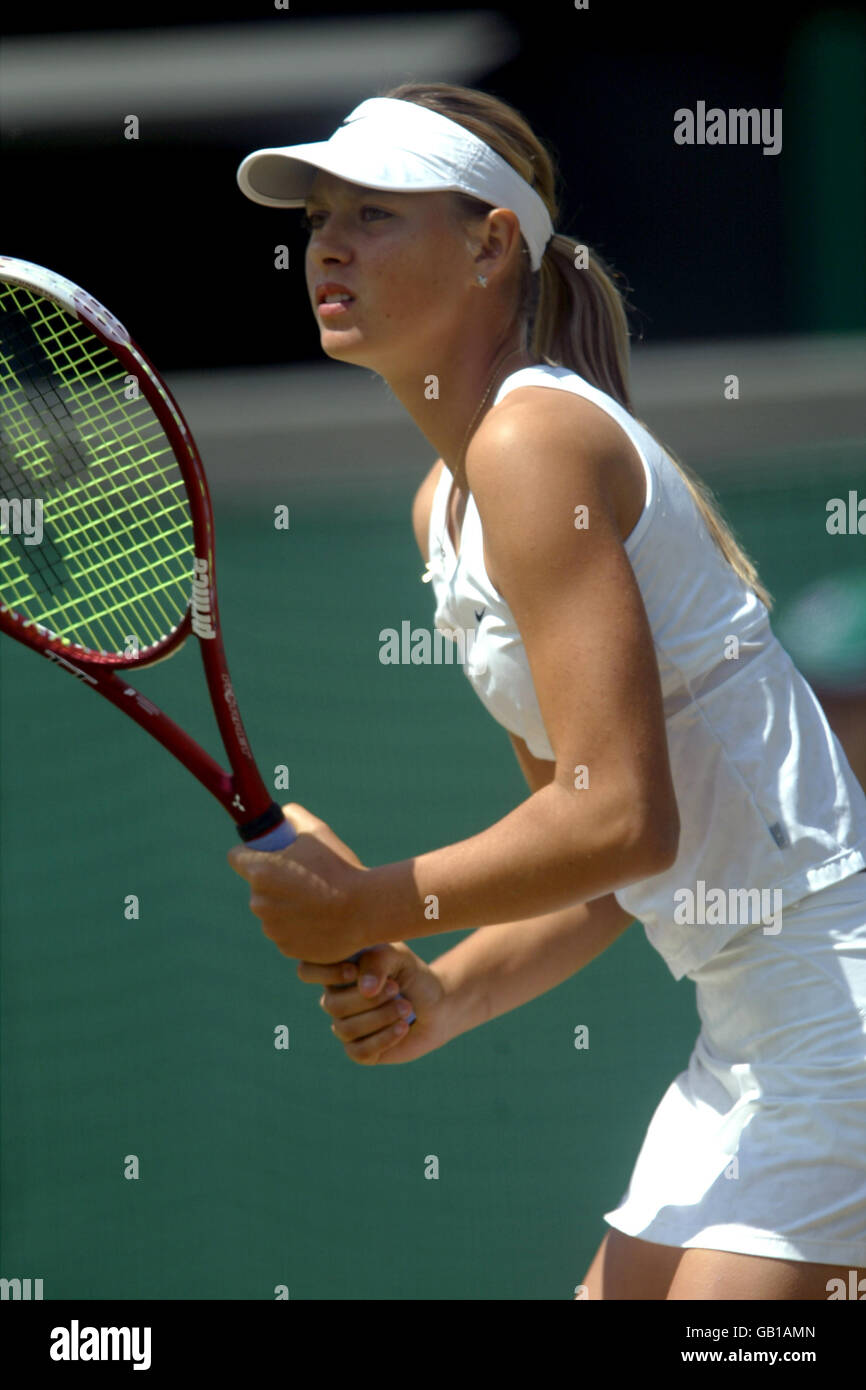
(449, 409)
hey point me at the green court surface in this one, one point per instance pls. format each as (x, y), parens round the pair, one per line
(155, 1037)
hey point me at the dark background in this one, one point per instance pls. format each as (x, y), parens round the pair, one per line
(159, 221)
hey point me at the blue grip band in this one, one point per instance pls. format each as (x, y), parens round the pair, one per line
(278, 838)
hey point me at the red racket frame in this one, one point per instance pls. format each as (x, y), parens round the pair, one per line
(104, 672)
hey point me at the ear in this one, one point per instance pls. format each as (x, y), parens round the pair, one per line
(498, 241)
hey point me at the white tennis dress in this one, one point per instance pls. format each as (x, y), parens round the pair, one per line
(760, 1145)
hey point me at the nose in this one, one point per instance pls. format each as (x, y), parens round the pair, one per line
(329, 242)
(324, 261)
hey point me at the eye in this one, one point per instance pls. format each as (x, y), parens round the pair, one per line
(309, 224)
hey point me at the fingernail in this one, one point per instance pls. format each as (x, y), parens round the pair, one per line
(404, 1008)
(392, 988)
(369, 983)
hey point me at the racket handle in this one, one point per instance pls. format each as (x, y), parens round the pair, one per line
(279, 838)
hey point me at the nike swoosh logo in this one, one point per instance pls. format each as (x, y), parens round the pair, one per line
(479, 616)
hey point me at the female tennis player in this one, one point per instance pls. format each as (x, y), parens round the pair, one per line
(680, 769)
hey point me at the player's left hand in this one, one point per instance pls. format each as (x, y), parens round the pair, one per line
(304, 895)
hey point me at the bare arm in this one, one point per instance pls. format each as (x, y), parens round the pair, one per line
(588, 641)
(607, 818)
(491, 972)
(500, 967)
(497, 968)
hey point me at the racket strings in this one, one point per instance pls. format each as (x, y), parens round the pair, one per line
(84, 596)
(94, 410)
(114, 561)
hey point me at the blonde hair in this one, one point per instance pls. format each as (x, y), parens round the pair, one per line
(572, 317)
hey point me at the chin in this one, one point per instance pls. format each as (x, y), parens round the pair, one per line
(343, 351)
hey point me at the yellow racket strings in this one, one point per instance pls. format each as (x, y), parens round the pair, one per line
(95, 533)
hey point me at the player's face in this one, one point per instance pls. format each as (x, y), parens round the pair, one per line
(404, 260)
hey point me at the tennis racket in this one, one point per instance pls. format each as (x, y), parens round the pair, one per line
(106, 525)
(107, 544)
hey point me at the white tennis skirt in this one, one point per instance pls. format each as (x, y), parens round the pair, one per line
(760, 1145)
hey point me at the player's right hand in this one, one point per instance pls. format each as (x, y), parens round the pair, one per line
(366, 1011)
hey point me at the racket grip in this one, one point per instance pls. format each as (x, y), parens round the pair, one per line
(279, 838)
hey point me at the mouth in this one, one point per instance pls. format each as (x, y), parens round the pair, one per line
(332, 305)
(330, 292)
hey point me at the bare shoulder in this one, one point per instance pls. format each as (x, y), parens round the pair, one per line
(543, 438)
(421, 506)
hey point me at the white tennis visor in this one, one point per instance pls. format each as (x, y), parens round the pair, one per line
(391, 144)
